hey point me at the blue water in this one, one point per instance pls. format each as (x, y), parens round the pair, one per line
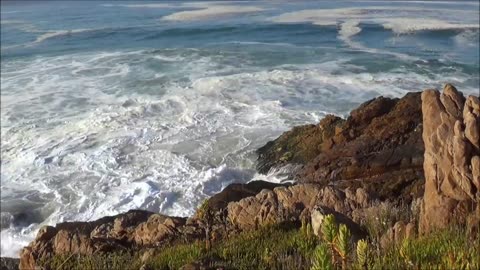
(111, 105)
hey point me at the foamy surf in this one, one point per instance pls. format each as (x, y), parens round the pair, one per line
(398, 19)
(408, 25)
(164, 154)
(211, 12)
(54, 34)
(159, 114)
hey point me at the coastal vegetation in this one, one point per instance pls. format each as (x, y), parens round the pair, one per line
(283, 246)
(395, 187)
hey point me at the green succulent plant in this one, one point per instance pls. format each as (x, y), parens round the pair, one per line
(342, 244)
(321, 258)
(362, 254)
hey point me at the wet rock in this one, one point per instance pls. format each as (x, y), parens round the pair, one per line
(450, 133)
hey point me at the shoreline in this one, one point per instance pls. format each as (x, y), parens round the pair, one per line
(374, 156)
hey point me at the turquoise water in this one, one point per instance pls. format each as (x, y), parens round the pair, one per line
(110, 105)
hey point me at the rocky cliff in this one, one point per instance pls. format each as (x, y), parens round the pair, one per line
(379, 154)
(378, 147)
(451, 133)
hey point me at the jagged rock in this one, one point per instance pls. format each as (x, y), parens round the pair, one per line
(450, 134)
(288, 203)
(235, 192)
(318, 214)
(378, 148)
(134, 228)
(299, 145)
(156, 229)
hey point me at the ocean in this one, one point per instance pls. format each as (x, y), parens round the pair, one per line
(108, 106)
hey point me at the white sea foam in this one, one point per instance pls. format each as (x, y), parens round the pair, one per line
(59, 33)
(407, 25)
(45, 35)
(11, 12)
(211, 12)
(156, 5)
(72, 124)
(5, 22)
(473, 3)
(467, 38)
(393, 17)
(400, 20)
(349, 29)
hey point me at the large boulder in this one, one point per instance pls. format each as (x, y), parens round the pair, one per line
(452, 159)
(299, 145)
(378, 148)
(291, 204)
(320, 212)
(237, 191)
(134, 229)
(156, 229)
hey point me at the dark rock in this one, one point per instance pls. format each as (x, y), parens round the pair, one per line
(378, 148)
(9, 263)
(299, 145)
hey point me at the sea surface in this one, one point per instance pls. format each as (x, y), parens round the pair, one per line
(108, 106)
